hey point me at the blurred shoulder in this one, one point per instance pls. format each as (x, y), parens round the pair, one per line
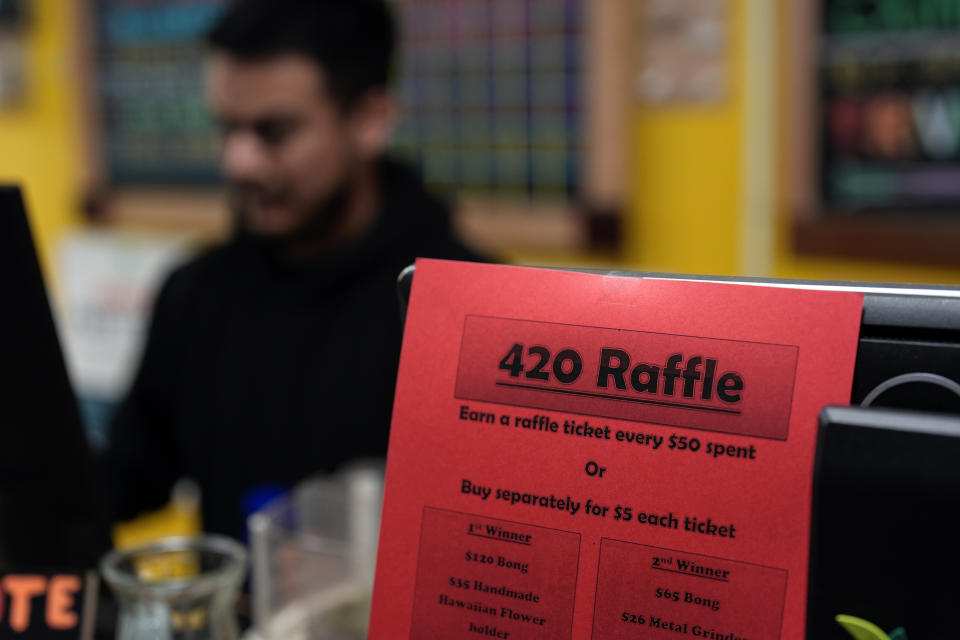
(422, 219)
(200, 275)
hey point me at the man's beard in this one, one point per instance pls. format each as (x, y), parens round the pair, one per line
(318, 225)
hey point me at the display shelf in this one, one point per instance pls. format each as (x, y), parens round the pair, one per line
(870, 145)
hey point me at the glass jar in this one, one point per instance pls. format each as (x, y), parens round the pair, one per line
(177, 588)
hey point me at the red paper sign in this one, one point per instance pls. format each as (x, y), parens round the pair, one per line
(596, 457)
(646, 377)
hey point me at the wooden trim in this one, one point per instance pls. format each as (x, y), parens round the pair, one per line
(89, 107)
(803, 148)
(609, 72)
(895, 237)
(608, 90)
(199, 211)
(493, 225)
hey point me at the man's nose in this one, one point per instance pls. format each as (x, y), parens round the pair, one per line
(244, 157)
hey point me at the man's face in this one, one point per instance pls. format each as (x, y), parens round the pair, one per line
(287, 147)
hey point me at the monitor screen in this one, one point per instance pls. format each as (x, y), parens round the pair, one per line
(883, 546)
(47, 497)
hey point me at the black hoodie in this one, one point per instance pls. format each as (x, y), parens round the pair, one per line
(257, 372)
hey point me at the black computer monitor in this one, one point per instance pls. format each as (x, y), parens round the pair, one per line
(49, 511)
(884, 542)
(909, 351)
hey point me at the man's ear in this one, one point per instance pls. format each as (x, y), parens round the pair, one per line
(372, 121)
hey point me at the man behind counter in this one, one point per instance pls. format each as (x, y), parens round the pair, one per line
(274, 356)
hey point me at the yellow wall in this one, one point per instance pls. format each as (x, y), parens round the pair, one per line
(39, 139)
(686, 204)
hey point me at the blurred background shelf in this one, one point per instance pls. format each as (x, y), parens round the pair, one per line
(873, 106)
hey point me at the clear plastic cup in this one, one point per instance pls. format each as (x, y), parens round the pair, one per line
(313, 555)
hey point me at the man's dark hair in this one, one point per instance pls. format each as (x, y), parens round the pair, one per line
(351, 40)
